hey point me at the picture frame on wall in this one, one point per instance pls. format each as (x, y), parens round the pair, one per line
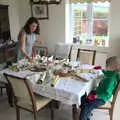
(40, 11)
(46, 1)
(35, 1)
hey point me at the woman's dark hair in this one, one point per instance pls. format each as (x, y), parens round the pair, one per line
(29, 22)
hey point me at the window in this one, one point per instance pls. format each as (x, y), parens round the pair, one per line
(90, 22)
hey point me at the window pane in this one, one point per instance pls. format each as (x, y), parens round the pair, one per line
(100, 23)
(101, 10)
(100, 28)
(79, 16)
(90, 23)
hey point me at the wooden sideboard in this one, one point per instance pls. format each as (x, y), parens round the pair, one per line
(8, 52)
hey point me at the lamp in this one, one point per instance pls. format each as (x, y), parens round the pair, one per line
(46, 1)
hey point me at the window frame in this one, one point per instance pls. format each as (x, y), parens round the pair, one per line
(89, 31)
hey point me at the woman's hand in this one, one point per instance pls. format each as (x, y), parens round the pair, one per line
(30, 59)
(40, 42)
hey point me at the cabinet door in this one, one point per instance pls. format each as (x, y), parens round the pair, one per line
(10, 54)
(2, 56)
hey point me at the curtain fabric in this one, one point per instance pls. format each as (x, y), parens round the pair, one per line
(81, 1)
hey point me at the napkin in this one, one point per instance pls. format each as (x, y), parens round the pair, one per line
(97, 67)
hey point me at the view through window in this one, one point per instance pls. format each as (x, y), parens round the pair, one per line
(90, 22)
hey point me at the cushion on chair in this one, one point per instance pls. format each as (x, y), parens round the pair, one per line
(107, 105)
(86, 57)
(40, 102)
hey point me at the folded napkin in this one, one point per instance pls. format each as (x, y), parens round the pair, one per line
(83, 76)
(97, 67)
(83, 70)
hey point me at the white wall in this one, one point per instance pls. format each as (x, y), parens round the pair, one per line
(13, 17)
(115, 28)
(24, 11)
(53, 29)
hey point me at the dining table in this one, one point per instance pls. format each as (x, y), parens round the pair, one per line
(66, 89)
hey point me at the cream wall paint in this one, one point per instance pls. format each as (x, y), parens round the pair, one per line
(24, 11)
(53, 30)
(115, 28)
(13, 16)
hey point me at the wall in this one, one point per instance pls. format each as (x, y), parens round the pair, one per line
(24, 11)
(13, 17)
(53, 30)
(115, 28)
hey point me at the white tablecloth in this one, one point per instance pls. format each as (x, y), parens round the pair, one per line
(67, 89)
(22, 74)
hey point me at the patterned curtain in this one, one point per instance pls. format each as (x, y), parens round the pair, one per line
(81, 1)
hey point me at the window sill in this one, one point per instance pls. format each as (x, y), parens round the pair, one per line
(97, 48)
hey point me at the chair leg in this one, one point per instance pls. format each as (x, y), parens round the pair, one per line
(1, 92)
(35, 115)
(17, 113)
(111, 115)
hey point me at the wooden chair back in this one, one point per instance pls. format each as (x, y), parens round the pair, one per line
(62, 50)
(22, 90)
(24, 98)
(86, 56)
(41, 50)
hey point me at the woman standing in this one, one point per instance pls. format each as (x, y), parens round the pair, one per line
(27, 38)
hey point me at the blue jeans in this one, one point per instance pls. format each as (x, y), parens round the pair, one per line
(87, 106)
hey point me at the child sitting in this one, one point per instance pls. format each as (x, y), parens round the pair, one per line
(103, 92)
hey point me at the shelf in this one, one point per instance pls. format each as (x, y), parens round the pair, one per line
(45, 2)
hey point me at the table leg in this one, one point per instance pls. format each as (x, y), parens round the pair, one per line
(75, 112)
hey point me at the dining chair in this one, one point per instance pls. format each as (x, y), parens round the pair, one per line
(86, 56)
(112, 104)
(2, 86)
(41, 50)
(24, 98)
(62, 50)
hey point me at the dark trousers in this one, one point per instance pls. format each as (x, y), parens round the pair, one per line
(87, 106)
